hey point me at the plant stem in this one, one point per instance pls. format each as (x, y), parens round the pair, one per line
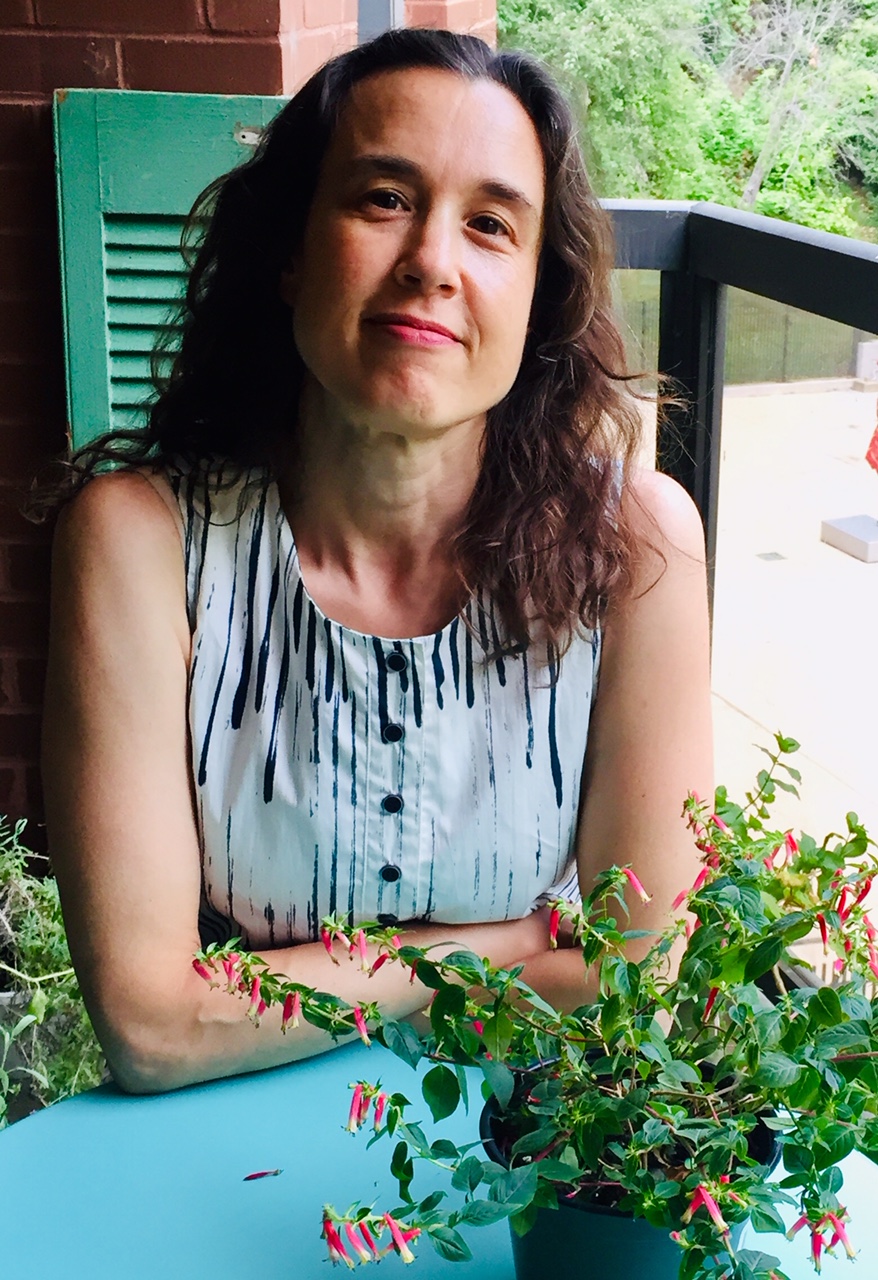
(26, 977)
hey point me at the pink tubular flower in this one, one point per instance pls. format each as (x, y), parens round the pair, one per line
(871, 932)
(380, 1104)
(378, 962)
(840, 1236)
(365, 1104)
(864, 889)
(554, 922)
(203, 971)
(356, 1244)
(255, 999)
(353, 1123)
(818, 1244)
(842, 905)
(292, 1010)
(701, 1196)
(712, 995)
(362, 947)
(687, 893)
(361, 1025)
(636, 885)
(478, 1026)
(263, 1173)
(337, 1251)
(791, 844)
(326, 939)
(368, 1237)
(345, 941)
(718, 822)
(798, 1225)
(824, 934)
(399, 1239)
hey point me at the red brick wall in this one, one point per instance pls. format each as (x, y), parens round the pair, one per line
(476, 17)
(196, 46)
(211, 46)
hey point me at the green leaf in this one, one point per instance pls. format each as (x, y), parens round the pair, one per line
(449, 1244)
(835, 1142)
(441, 1091)
(498, 1032)
(467, 1175)
(448, 1003)
(443, 1149)
(824, 1007)
(522, 1221)
(469, 964)
(675, 1074)
(777, 1070)
(758, 1264)
(432, 1200)
(429, 975)
(763, 957)
(535, 1141)
(482, 1213)
(500, 1080)
(765, 1217)
(402, 1039)
(515, 1188)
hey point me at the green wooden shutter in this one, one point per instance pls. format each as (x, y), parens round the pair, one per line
(129, 166)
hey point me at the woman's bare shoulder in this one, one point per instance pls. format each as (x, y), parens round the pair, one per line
(662, 512)
(118, 553)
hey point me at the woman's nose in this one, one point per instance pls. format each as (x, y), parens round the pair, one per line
(429, 261)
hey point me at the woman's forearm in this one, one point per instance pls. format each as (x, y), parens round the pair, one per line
(561, 978)
(203, 1034)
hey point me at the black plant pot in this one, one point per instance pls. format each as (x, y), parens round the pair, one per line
(583, 1241)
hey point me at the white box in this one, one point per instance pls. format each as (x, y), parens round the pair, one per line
(857, 535)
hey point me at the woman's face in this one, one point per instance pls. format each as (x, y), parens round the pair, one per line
(413, 287)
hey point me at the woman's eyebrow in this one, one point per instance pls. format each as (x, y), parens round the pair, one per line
(401, 167)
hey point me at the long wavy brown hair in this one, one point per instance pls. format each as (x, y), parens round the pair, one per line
(544, 534)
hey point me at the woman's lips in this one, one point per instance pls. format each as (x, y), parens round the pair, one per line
(414, 330)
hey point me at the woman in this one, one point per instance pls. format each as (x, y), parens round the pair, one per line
(329, 643)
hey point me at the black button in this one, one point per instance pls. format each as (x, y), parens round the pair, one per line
(387, 920)
(392, 804)
(392, 733)
(390, 872)
(395, 661)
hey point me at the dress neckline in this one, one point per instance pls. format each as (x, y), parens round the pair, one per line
(288, 542)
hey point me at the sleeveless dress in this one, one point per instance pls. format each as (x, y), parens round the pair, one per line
(388, 779)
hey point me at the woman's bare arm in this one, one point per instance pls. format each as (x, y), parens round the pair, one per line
(121, 822)
(650, 741)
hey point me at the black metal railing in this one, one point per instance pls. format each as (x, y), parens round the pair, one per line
(700, 250)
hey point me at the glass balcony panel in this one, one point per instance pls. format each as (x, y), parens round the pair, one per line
(795, 633)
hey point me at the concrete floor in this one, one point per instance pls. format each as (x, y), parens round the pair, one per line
(795, 642)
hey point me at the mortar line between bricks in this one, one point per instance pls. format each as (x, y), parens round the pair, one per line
(122, 38)
(203, 17)
(120, 64)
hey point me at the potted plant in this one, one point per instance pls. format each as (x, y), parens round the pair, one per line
(655, 1107)
(48, 1049)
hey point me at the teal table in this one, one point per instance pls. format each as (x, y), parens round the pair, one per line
(110, 1187)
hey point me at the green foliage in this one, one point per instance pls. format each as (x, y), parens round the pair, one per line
(660, 1095)
(54, 1039)
(743, 102)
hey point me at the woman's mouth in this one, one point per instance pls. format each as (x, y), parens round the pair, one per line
(413, 329)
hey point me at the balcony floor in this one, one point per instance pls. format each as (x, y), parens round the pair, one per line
(796, 638)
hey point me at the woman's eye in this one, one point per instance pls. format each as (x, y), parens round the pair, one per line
(489, 225)
(390, 200)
